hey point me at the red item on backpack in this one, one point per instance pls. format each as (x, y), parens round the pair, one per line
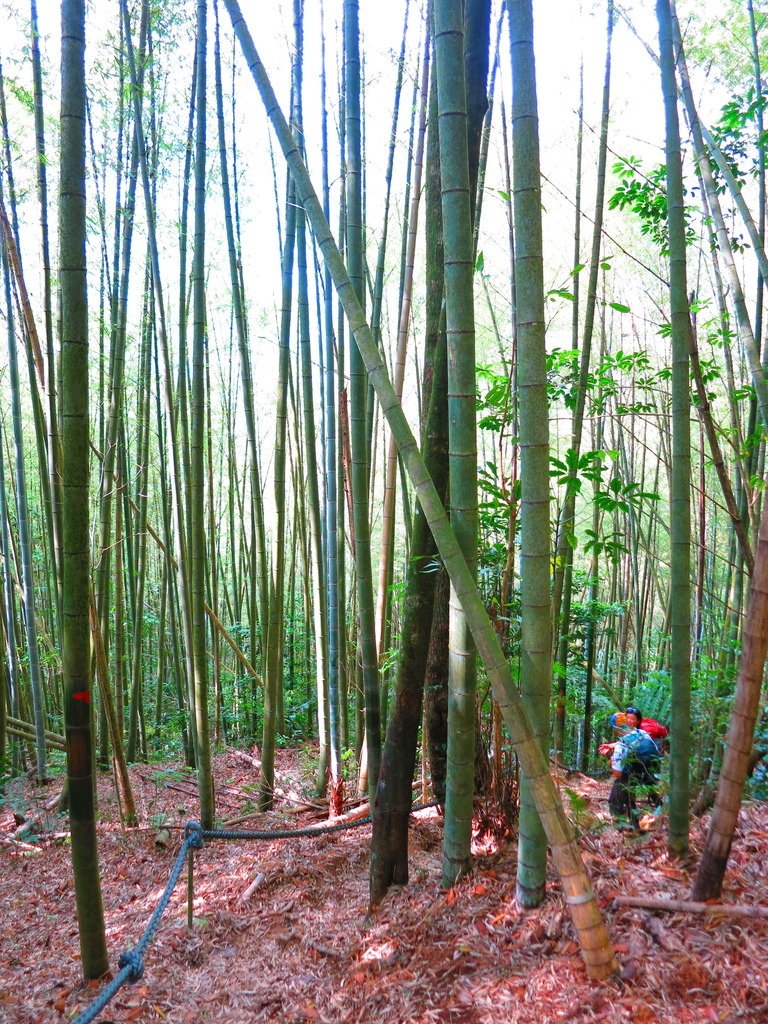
(655, 729)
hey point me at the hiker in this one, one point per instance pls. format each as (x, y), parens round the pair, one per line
(634, 760)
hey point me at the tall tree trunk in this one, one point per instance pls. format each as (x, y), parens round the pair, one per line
(462, 441)
(680, 496)
(358, 392)
(391, 811)
(197, 449)
(75, 463)
(389, 848)
(536, 612)
(337, 729)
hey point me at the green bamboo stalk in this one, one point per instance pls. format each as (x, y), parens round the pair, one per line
(75, 465)
(536, 611)
(140, 555)
(337, 720)
(122, 778)
(197, 447)
(214, 556)
(378, 280)
(358, 392)
(462, 440)
(119, 607)
(680, 498)
(124, 224)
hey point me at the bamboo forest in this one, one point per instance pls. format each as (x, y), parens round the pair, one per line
(383, 520)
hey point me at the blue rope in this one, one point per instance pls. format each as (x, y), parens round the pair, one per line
(291, 833)
(295, 833)
(131, 962)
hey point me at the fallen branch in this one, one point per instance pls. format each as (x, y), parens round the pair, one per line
(325, 950)
(35, 819)
(24, 847)
(258, 880)
(189, 789)
(690, 907)
(290, 795)
(362, 811)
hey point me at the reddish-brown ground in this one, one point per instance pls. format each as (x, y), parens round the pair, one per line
(301, 948)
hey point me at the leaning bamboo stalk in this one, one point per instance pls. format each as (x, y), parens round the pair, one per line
(54, 439)
(738, 744)
(595, 943)
(26, 731)
(707, 421)
(23, 294)
(25, 544)
(706, 150)
(22, 726)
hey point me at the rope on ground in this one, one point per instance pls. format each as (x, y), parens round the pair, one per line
(131, 962)
(290, 833)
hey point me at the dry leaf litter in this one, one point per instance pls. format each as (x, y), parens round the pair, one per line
(301, 949)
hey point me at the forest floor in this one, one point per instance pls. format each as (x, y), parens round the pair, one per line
(301, 948)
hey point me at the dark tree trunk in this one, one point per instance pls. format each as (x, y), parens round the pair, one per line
(389, 846)
(436, 689)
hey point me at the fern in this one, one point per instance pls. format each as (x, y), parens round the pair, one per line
(654, 698)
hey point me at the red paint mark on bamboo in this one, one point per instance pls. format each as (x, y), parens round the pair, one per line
(85, 696)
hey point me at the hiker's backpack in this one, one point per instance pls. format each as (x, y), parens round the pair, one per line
(641, 745)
